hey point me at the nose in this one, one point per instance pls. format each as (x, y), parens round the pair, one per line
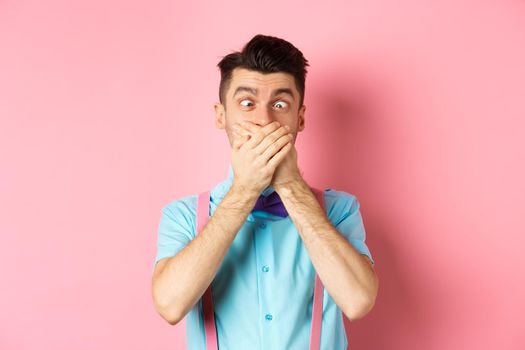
(263, 117)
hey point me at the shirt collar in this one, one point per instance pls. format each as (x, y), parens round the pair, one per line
(220, 190)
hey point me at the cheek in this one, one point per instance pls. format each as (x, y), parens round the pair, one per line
(235, 117)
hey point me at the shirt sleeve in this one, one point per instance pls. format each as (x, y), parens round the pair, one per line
(349, 223)
(176, 228)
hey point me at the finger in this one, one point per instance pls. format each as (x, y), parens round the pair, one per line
(241, 131)
(238, 140)
(272, 138)
(244, 136)
(236, 143)
(249, 126)
(279, 156)
(274, 147)
(259, 133)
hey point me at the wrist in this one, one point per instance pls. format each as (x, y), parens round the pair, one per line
(244, 193)
(288, 185)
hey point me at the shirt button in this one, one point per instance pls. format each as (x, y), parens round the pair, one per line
(262, 225)
(268, 317)
(265, 268)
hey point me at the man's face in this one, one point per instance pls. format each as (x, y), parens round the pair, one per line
(261, 99)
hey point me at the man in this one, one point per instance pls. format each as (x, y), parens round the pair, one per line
(261, 261)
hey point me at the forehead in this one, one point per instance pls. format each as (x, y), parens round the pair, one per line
(265, 83)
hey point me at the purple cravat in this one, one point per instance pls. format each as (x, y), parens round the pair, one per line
(271, 204)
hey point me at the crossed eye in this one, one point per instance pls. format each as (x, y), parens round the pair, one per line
(246, 103)
(281, 103)
(278, 104)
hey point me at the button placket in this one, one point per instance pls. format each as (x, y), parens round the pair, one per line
(263, 242)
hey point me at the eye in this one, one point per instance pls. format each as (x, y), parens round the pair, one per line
(281, 104)
(246, 103)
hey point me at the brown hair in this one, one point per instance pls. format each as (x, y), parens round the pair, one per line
(265, 54)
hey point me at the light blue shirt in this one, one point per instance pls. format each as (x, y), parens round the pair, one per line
(263, 290)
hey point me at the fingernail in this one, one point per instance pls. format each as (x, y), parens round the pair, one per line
(287, 127)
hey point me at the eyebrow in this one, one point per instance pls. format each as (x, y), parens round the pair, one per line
(254, 91)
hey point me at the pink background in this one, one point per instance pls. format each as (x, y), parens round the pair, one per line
(416, 107)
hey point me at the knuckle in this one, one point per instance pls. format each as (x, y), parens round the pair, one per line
(274, 124)
(272, 138)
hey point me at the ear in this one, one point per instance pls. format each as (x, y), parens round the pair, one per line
(300, 122)
(220, 115)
